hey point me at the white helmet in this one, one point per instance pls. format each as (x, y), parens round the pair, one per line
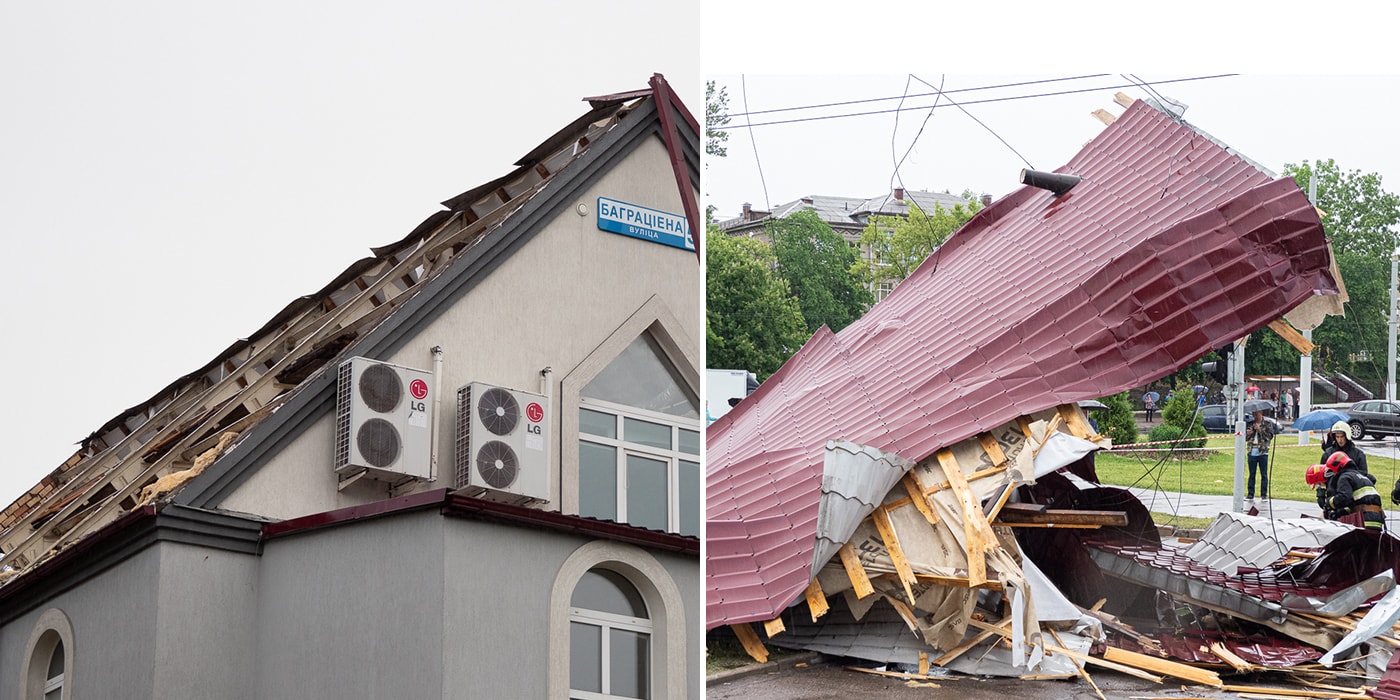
(1341, 427)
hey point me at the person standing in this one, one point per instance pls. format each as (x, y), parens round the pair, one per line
(1149, 405)
(1259, 436)
(1287, 411)
(1339, 440)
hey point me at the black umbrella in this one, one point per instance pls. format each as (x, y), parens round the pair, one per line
(1253, 405)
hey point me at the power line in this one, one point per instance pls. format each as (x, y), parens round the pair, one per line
(906, 95)
(972, 102)
(744, 93)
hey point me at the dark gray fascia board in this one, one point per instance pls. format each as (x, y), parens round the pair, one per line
(318, 392)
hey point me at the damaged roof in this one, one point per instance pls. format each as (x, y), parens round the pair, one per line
(151, 449)
(1170, 246)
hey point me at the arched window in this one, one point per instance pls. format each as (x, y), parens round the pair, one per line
(609, 638)
(48, 669)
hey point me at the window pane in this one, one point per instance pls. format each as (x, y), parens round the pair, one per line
(56, 662)
(640, 377)
(644, 433)
(690, 498)
(585, 657)
(628, 668)
(608, 591)
(597, 481)
(596, 423)
(646, 492)
(690, 441)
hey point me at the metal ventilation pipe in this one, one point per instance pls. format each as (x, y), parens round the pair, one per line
(1059, 183)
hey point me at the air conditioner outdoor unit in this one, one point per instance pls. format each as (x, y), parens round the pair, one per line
(384, 418)
(502, 443)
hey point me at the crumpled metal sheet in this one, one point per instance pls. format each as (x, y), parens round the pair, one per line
(1234, 540)
(1168, 248)
(1378, 620)
(855, 479)
(1344, 601)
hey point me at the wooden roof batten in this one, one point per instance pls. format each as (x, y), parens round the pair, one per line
(190, 418)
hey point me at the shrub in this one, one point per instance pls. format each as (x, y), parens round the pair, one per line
(1167, 431)
(1118, 422)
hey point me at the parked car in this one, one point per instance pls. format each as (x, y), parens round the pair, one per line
(1216, 419)
(1374, 418)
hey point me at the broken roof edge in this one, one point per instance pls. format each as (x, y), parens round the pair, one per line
(269, 435)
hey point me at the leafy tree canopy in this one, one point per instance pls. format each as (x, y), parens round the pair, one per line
(716, 118)
(816, 261)
(751, 321)
(896, 245)
(1360, 217)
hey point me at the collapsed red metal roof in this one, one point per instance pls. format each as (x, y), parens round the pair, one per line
(1169, 247)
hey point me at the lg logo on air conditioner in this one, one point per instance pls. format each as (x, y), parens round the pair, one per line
(535, 413)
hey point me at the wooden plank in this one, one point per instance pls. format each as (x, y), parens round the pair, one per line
(1074, 418)
(816, 600)
(774, 626)
(918, 497)
(1083, 672)
(893, 674)
(860, 581)
(891, 540)
(1285, 330)
(750, 641)
(1002, 497)
(944, 486)
(1123, 99)
(1294, 693)
(923, 663)
(957, 582)
(1136, 673)
(1104, 116)
(992, 448)
(959, 650)
(1032, 513)
(1230, 657)
(1164, 667)
(977, 532)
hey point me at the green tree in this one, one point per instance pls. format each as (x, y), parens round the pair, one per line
(1118, 422)
(1180, 414)
(751, 320)
(1360, 217)
(816, 262)
(896, 245)
(716, 118)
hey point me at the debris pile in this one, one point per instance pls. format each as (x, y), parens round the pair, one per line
(924, 479)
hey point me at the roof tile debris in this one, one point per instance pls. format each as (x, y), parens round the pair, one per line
(1169, 246)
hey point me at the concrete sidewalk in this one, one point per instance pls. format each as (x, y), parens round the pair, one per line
(1194, 505)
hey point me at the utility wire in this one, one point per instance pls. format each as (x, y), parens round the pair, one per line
(906, 95)
(744, 92)
(750, 125)
(984, 126)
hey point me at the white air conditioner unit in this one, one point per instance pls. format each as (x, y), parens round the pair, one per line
(384, 419)
(502, 443)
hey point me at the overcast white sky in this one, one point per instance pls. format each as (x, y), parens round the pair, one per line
(1272, 119)
(172, 174)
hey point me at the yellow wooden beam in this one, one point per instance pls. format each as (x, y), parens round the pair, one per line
(891, 540)
(1285, 330)
(816, 600)
(860, 581)
(749, 639)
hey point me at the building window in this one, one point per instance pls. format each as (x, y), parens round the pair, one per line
(639, 444)
(53, 684)
(48, 673)
(609, 638)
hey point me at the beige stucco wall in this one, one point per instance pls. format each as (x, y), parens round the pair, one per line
(552, 303)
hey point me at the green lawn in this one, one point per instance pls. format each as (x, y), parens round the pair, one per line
(1212, 471)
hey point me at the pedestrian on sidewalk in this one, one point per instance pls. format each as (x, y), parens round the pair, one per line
(1259, 436)
(1149, 404)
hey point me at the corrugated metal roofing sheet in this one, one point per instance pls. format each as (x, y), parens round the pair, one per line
(1169, 247)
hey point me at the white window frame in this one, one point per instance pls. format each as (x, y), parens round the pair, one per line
(622, 448)
(607, 622)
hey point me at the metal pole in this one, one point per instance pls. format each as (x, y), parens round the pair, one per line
(1236, 396)
(1305, 362)
(1390, 346)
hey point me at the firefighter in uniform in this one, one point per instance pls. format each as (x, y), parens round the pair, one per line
(1345, 493)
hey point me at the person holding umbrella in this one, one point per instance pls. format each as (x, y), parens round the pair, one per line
(1149, 403)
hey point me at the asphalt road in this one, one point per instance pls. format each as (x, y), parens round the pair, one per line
(826, 681)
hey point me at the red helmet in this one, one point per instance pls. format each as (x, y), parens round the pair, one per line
(1337, 461)
(1316, 475)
